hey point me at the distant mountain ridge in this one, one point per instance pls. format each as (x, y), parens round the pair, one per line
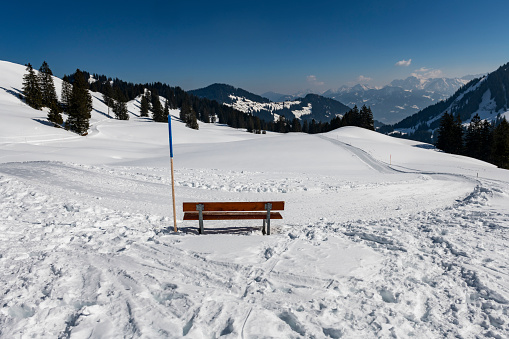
(222, 92)
(487, 96)
(311, 106)
(399, 99)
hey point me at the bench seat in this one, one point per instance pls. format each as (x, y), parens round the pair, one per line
(230, 215)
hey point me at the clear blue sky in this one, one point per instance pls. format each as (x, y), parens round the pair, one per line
(281, 46)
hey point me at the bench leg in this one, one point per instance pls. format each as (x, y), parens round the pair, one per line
(263, 229)
(268, 207)
(199, 208)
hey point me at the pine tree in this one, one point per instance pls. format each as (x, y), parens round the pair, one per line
(31, 89)
(487, 131)
(305, 127)
(157, 110)
(250, 125)
(206, 114)
(258, 125)
(473, 138)
(366, 118)
(192, 122)
(120, 105)
(444, 138)
(65, 95)
(49, 94)
(296, 125)
(144, 106)
(185, 110)
(500, 150)
(80, 106)
(457, 136)
(166, 110)
(108, 94)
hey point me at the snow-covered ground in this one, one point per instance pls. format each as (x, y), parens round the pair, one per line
(381, 237)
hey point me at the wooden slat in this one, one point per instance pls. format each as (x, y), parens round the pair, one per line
(234, 206)
(231, 215)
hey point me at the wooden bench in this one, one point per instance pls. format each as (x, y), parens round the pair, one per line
(234, 211)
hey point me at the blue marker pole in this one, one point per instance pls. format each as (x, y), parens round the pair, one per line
(172, 179)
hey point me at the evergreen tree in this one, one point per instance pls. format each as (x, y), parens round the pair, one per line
(31, 89)
(145, 106)
(54, 115)
(120, 105)
(281, 124)
(185, 110)
(108, 94)
(457, 136)
(192, 122)
(80, 106)
(250, 125)
(296, 125)
(157, 108)
(166, 111)
(305, 127)
(473, 138)
(258, 125)
(49, 95)
(65, 96)
(501, 145)
(366, 118)
(206, 114)
(48, 92)
(487, 131)
(450, 134)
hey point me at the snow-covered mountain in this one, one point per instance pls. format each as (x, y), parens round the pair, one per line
(487, 96)
(308, 107)
(399, 99)
(381, 237)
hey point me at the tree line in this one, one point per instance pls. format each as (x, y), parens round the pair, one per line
(480, 139)
(76, 104)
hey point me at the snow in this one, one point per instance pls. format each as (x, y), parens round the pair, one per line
(381, 236)
(304, 111)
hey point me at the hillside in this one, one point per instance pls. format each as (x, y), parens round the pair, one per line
(310, 107)
(381, 236)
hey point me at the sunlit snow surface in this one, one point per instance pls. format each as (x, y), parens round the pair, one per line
(381, 237)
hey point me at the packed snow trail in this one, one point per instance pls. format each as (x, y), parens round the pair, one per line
(362, 155)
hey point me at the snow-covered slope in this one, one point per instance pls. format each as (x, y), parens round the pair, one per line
(381, 237)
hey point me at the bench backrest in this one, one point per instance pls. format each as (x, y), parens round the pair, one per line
(234, 206)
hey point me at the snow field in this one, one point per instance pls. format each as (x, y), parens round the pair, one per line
(367, 248)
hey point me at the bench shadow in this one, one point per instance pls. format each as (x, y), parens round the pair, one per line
(243, 230)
